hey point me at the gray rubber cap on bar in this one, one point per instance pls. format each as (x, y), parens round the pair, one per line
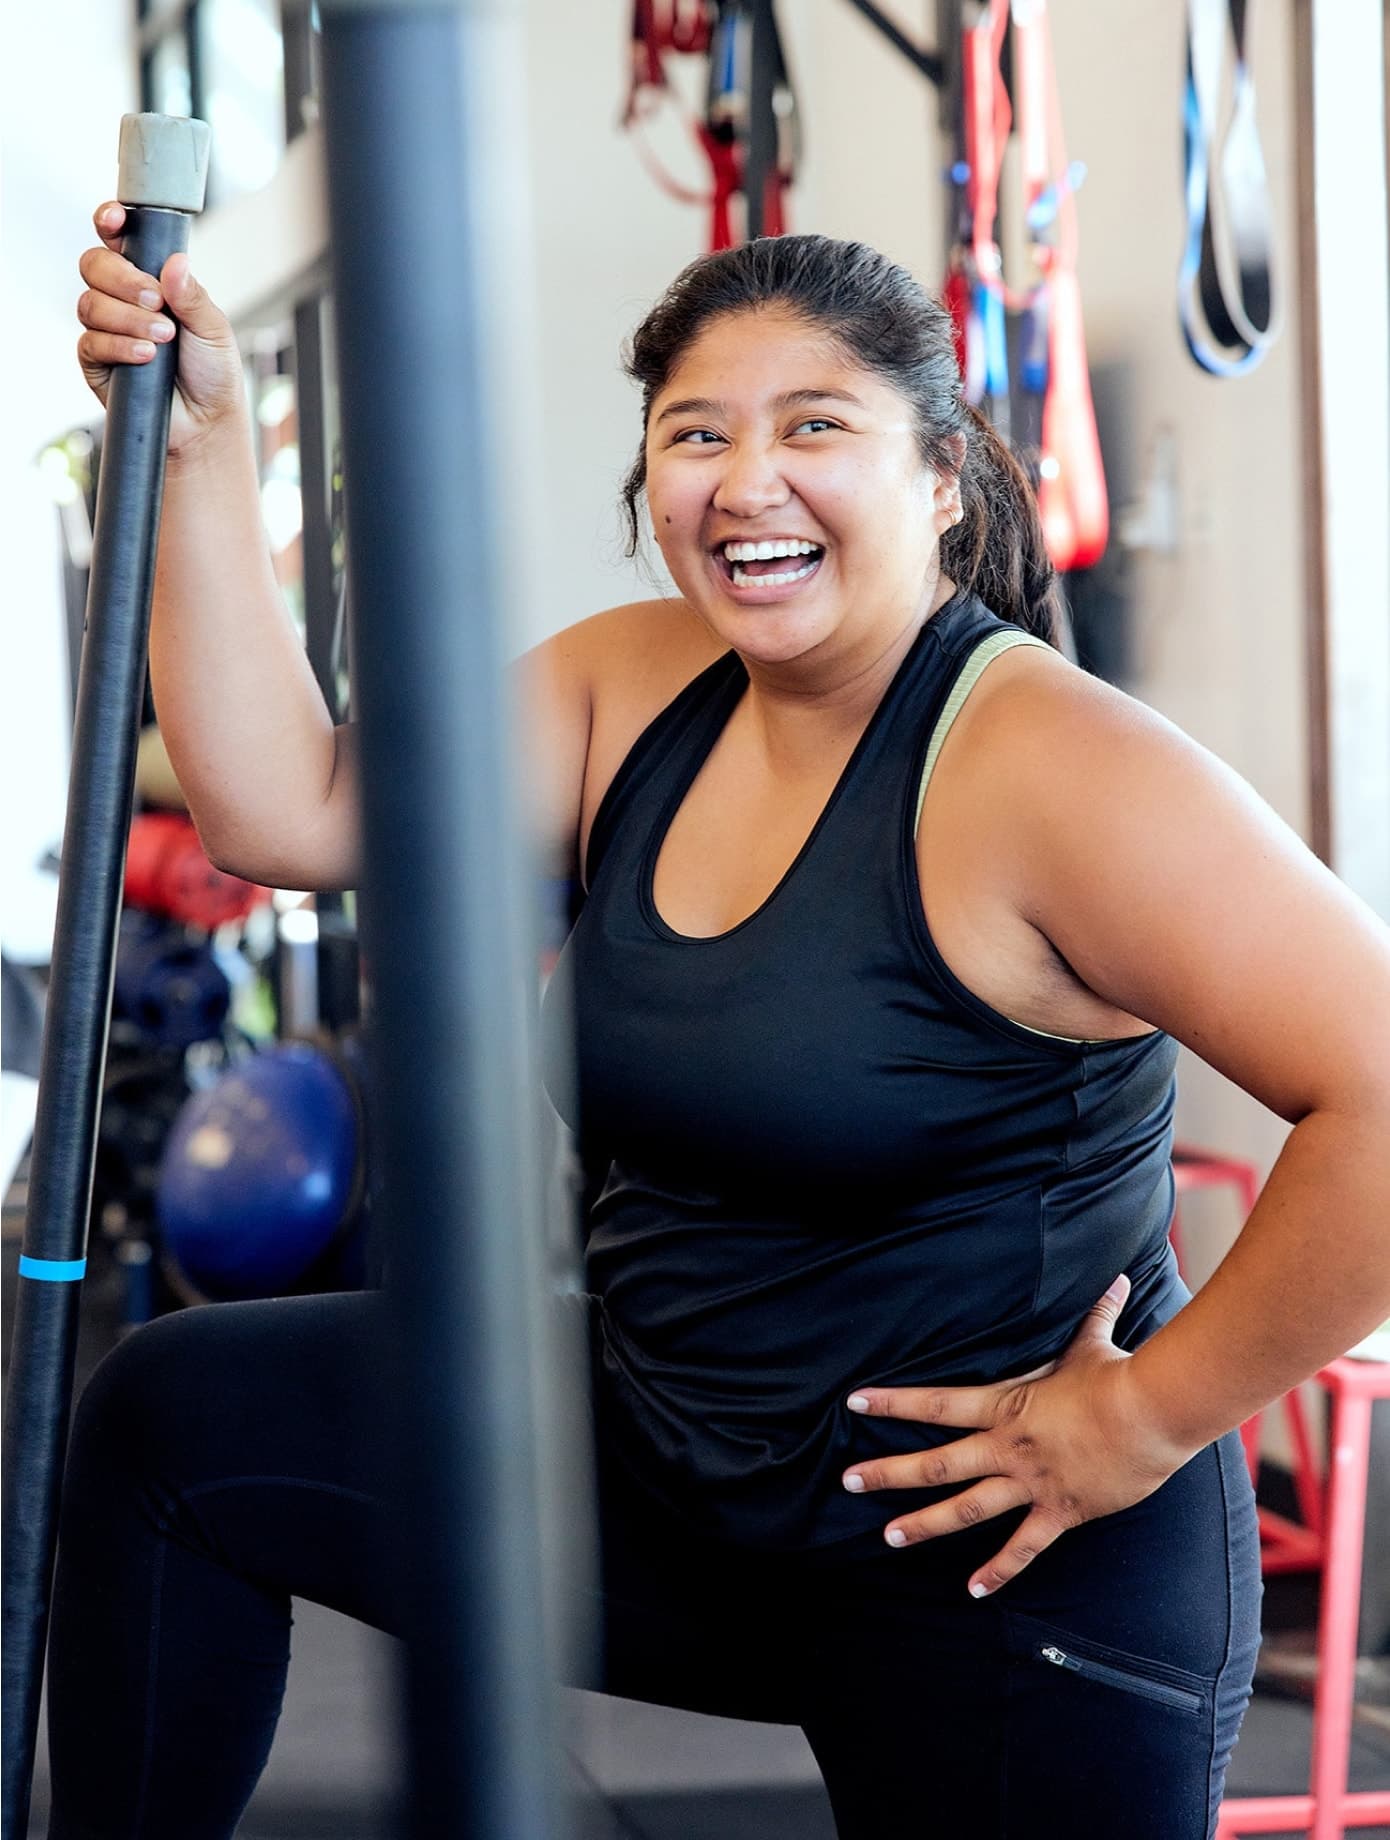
(163, 161)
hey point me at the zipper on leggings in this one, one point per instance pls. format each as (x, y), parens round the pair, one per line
(1116, 1677)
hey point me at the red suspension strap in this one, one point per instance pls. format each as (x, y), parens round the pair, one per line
(1052, 347)
(720, 31)
(658, 28)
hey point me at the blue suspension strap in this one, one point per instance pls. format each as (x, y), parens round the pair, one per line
(1225, 301)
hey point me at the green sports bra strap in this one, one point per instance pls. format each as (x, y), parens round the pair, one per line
(984, 654)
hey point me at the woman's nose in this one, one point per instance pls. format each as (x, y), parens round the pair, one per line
(750, 482)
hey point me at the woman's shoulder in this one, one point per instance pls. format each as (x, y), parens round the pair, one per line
(1165, 884)
(1041, 748)
(1024, 753)
(628, 658)
(656, 641)
(1033, 704)
(636, 659)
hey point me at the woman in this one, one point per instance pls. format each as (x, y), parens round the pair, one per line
(894, 920)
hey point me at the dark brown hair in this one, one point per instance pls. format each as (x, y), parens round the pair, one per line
(882, 319)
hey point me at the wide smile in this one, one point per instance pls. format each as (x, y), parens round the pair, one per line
(769, 570)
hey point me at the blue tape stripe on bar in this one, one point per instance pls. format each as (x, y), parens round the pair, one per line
(52, 1271)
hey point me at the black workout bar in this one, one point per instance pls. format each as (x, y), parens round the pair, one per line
(929, 63)
(760, 156)
(163, 165)
(413, 203)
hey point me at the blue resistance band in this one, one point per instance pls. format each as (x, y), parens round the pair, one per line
(1227, 321)
(52, 1271)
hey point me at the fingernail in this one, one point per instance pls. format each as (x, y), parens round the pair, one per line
(142, 348)
(979, 1590)
(855, 1484)
(896, 1537)
(161, 329)
(109, 216)
(149, 297)
(1117, 1289)
(857, 1402)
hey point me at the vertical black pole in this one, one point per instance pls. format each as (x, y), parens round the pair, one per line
(760, 154)
(337, 946)
(163, 164)
(445, 925)
(320, 601)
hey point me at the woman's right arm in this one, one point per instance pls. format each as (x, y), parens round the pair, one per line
(269, 780)
(271, 783)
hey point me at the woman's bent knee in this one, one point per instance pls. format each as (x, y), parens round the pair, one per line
(230, 1387)
(137, 1423)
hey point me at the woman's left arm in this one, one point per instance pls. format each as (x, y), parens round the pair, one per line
(1177, 895)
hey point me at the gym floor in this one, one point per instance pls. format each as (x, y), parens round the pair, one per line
(649, 1772)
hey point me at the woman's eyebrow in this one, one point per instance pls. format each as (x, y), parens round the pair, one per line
(789, 399)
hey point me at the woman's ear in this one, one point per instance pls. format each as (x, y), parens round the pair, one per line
(947, 508)
(946, 497)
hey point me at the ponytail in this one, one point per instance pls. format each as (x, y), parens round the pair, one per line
(997, 549)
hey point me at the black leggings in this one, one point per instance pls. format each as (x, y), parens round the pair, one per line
(223, 1460)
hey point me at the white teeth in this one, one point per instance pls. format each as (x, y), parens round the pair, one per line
(744, 580)
(767, 551)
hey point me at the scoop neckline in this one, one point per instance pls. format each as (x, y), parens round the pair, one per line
(646, 889)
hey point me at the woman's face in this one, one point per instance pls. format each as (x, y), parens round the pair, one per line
(765, 435)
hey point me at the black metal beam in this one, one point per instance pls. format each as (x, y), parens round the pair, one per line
(320, 600)
(760, 160)
(445, 922)
(101, 785)
(927, 62)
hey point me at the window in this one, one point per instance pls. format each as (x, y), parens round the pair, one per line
(222, 60)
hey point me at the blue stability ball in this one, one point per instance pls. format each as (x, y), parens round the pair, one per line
(259, 1173)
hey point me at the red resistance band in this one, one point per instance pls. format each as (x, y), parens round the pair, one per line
(1072, 497)
(711, 29)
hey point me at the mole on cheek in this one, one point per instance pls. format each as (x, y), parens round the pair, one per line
(668, 517)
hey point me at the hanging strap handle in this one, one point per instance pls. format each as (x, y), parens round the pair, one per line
(1226, 305)
(680, 28)
(1072, 497)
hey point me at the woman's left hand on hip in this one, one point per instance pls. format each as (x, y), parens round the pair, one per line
(1070, 1441)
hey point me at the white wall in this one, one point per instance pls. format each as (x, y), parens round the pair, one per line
(68, 75)
(605, 243)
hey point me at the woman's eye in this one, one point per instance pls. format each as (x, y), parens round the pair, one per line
(816, 423)
(696, 437)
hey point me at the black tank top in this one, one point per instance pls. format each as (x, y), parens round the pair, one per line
(830, 1163)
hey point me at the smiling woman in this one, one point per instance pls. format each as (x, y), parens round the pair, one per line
(894, 921)
(736, 486)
